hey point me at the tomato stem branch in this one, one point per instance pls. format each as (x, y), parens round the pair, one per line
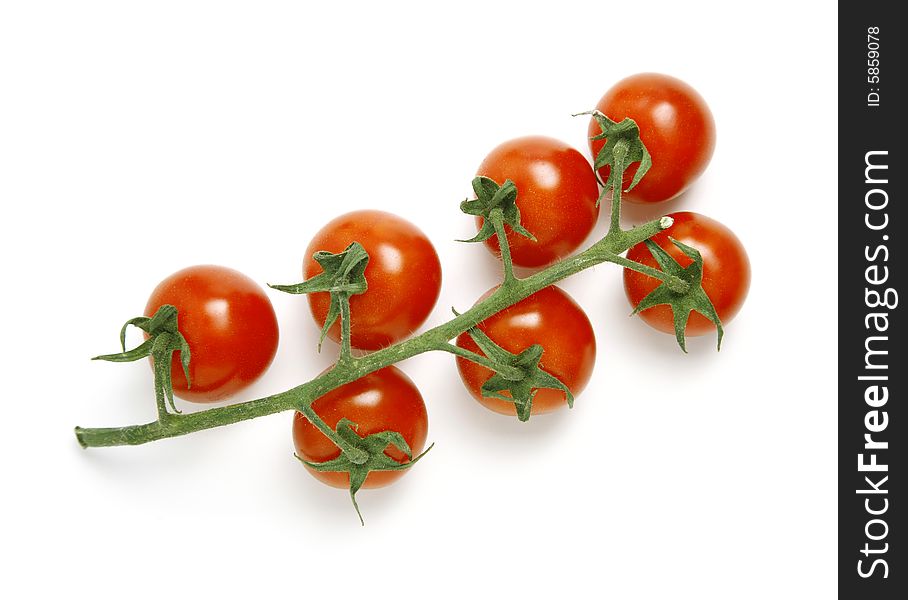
(497, 218)
(175, 425)
(619, 152)
(159, 373)
(676, 284)
(301, 397)
(346, 355)
(355, 455)
(506, 371)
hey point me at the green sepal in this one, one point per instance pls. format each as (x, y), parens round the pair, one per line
(625, 134)
(522, 390)
(370, 456)
(682, 303)
(343, 275)
(490, 196)
(143, 350)
(164, 338)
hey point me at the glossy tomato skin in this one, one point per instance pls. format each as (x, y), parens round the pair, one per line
(403, 276)
(230, 327)
(556, 195)
(551, 318)
(386, 400)
(676, 126)
(726, 271)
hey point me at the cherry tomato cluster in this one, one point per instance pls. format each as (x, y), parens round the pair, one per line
(230, 326)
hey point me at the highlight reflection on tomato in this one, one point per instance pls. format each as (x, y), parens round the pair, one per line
(550, 318)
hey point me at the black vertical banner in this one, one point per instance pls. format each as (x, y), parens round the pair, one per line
(872, 265)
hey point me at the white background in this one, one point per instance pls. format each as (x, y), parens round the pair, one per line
(139, 138)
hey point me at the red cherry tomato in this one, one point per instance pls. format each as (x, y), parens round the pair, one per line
(386, 400)
(550, 318)
(726, 271)
(556, 195)
(676, 127)
(403, 275)
(230, 327)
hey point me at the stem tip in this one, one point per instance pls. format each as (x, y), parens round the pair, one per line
(78, 432)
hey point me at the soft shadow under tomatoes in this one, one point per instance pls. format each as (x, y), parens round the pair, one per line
(230, 327)
(386, 400)
(550, 318)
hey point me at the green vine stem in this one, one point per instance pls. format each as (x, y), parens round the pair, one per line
(505, 371)
(301, 397)
(497, 218)
(343, 276)
(623, 147)
(346, 353)
(619, 153)
(355, 455)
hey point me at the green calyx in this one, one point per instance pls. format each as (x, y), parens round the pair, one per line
(517, 374)
(493, 198)
(342, 276)
(681, 302)
(164, 338)
(622, 147)
(361, 455)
